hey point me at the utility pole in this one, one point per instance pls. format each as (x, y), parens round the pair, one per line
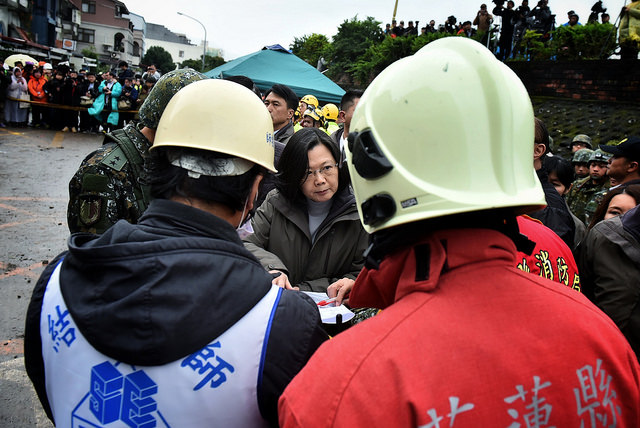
(204, 49)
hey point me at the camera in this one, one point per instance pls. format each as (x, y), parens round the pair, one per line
(597, 8)
(452, 20)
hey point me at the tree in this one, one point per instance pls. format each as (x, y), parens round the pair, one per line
(160, 57)
(310, 48)
(210, 62)
(90, 52)
(353, 39)
(381, 55)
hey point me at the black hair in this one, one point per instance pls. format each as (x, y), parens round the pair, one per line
(349, 98)
(121, 63)
(562, 167)
(285, 92)
(246, 82)
(541, 135)
(294, 162)
(632, 190)
(113, 73)
(166, 180)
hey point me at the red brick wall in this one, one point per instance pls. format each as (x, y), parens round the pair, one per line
(607, 80)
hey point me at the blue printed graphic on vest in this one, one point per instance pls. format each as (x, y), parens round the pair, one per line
(209, 372)
(114, 396)
(58, 330)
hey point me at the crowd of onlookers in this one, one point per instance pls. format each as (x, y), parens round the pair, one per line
(514, 21)
(62, 98)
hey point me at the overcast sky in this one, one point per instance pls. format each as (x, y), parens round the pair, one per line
(240, 27)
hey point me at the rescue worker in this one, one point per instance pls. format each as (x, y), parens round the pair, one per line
(583, 190)
(171, 321)
(312, 118)
(306, 101)
(580, 162)
(331, 112)
(464, 339)
(107, 187)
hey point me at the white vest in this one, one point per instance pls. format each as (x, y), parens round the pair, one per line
(216, 386)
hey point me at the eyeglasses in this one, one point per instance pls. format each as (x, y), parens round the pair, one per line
(325, 171)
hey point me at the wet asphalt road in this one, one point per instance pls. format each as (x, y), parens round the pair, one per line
(35, 168)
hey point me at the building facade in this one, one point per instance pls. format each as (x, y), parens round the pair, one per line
(106, 28)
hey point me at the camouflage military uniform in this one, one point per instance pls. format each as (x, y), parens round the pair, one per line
(106, 187)
(581, 193)
(591, 206)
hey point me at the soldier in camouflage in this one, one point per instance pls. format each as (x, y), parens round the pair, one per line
(623, 169)
(583, 190)
(580, 141)
(107, 186)
(580, 162)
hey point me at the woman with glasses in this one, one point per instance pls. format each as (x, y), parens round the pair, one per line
(307, 232)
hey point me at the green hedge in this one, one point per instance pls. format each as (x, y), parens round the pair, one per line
(591, 41)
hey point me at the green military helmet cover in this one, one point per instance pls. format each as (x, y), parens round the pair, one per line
(583, 139)
(166, 87)
(599, 155)
(582, 156)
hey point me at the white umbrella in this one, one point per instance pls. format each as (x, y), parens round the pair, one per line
(12, 59)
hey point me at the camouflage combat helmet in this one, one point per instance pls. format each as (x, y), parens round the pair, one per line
(599, 156)
(582, 139)
(582, 156)
(166, 87)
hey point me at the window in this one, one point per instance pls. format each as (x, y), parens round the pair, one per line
(87, 36)
(181, 54)
(136, 49)
(118, 45)
(89, 7)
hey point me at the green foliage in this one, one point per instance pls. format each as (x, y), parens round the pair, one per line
(533, 47)
(210, 62)
(591, 41)
(90, 52)
(160, 57)
(310, 48)
(353, 39)
(379, 56)
(423, 40)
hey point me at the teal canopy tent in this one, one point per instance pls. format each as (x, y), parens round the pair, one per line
(274, 64)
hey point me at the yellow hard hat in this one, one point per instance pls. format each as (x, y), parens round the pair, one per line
(315, 114)
(310, 100)
(330, 111)
(220, 116)
(448, 130)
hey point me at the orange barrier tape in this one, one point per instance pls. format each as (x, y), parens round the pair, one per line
(64, 107)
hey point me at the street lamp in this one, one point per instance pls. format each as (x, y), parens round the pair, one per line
(204, 50)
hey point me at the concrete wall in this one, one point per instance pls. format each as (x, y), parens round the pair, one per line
(607, 80)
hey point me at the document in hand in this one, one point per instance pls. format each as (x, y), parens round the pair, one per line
(328, 312)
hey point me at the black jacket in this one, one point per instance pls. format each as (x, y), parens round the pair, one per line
(556, 216)
(121, 289)
(609, 262)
